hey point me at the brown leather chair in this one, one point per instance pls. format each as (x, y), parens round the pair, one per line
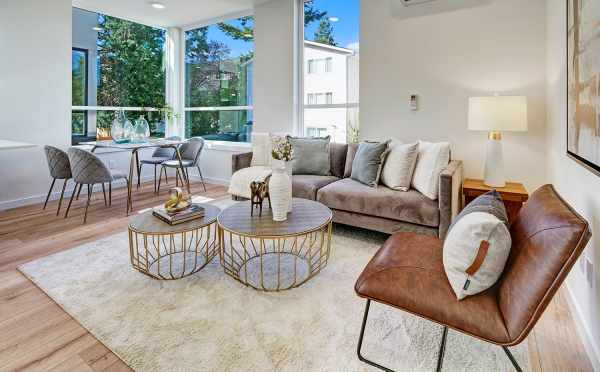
(407, 273)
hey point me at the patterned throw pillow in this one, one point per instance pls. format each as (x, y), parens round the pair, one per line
(477, 246)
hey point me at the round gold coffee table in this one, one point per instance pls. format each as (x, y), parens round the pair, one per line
(275, 256)
(167, 252)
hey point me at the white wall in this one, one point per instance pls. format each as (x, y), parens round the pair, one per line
(35, 90)
(578, 185)
(446, 54)
(275, 65)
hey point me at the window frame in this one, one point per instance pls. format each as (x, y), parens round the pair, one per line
(182, 90)
(300, 129)
(85, 96)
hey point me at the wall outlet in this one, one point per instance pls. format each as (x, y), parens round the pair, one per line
(590, 272)
(111, 164)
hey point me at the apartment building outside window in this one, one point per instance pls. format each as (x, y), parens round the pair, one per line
(331, 69)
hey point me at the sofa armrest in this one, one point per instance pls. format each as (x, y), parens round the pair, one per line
(450, 195)
(240, 161)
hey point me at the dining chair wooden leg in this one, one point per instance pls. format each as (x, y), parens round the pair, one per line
(87, 203)
(176, 177)
(162, 168)
(201, 178)
(71, 200)
(155, 165)
(49, 192)
(138, 168)
(62, 194)
(79, 191)
(104, 193)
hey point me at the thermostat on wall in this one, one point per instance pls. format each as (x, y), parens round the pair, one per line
(414, 106)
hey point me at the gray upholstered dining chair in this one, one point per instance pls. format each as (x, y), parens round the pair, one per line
(159, 156)
(89, 170)
(190, 158)
(60, 169)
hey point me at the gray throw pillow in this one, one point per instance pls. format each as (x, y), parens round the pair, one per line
(368, 161)
(477, 246)
(311, 155)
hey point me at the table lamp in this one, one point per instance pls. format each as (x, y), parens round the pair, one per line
(496, 114)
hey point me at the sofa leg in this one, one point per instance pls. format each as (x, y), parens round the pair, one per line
(512, 359)
(360, 340)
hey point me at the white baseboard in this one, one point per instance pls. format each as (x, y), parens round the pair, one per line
(36, 199)
(583, 330)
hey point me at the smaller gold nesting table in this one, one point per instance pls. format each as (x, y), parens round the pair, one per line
(275, 256)
(167, 252)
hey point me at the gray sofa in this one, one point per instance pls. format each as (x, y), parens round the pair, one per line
(380, 209)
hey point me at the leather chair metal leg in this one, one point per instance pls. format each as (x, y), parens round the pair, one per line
(138, 168)
(62, 194)
(110, 193)
(49, 192)
(87, 203)
(360, 340)
(512, 359)
(440, 354)
(201, 178)
(71, 200)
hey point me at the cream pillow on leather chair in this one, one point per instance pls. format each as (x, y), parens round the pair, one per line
(477, 246)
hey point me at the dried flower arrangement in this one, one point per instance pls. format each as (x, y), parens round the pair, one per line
(282, 150)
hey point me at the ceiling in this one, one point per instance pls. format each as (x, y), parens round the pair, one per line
(176, 12)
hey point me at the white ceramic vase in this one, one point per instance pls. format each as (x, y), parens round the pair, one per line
(280, 191)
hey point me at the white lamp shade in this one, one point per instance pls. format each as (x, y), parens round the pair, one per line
(498, 113)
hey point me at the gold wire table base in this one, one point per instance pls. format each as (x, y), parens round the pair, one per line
(275, 263)
(169, 256)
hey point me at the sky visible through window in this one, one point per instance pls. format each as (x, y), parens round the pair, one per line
(345, 29)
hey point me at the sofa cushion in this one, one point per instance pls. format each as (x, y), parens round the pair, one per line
(352, 148)
(368, 162)
(306, 186)
(338, 153)
(240, 180)
(353, 196)
(311, 155)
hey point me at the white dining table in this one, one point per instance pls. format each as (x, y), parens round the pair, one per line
(134, 163)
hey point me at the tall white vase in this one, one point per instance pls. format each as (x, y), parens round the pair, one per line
(280, 192)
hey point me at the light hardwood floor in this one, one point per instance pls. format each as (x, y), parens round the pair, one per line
(36, 334)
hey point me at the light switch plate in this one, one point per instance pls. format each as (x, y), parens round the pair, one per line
(590, 272)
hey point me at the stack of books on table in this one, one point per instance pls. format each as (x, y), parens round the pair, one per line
(192, 212)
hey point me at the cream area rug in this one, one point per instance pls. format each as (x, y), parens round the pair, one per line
(209, 322)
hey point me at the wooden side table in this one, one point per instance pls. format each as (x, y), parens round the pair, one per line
(513, 195)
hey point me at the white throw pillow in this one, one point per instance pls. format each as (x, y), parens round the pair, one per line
(475, 252)
(432, 159)
(262, 145)
(399, 165)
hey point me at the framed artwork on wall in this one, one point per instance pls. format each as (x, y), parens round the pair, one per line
(583, 81)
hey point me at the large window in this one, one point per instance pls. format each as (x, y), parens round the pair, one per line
(218, 80)
(116, 64)
(79, 81)
(331, 66)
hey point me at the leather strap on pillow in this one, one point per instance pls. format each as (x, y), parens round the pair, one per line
(479, 258)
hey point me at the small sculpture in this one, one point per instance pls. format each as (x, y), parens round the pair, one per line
(258, 192)
(177, 202)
